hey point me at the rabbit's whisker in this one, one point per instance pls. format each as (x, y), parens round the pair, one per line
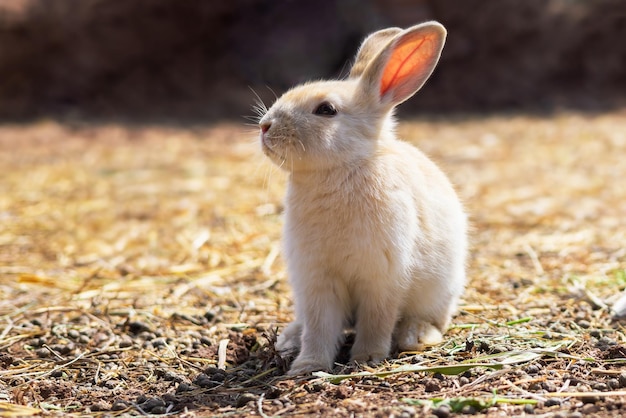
(273, 92)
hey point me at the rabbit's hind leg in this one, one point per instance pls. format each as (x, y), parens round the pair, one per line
(413, 333)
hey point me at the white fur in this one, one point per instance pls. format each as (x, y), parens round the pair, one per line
(374, 235)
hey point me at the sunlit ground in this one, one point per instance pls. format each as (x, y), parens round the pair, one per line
(102, 224)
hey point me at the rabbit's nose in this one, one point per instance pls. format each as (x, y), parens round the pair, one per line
(265, 126)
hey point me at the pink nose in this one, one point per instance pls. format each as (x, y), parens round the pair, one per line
(265, 126)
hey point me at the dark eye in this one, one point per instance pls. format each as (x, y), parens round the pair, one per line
(325, 109)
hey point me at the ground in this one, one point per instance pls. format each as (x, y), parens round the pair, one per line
(140, 273)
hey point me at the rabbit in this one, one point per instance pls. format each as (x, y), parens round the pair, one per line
(375, 237)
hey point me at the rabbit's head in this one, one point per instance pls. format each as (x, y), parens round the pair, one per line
(324, 124)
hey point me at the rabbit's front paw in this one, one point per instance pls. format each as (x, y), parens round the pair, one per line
(306, 365)
(371, 359)
(288, 342)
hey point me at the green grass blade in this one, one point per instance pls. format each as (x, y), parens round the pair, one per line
(520, 321)
(454, 369)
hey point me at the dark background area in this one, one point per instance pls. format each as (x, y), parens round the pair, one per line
(172, 59)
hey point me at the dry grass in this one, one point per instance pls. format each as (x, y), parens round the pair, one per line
(136, 260)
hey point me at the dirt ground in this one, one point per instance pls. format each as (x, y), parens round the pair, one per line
(140, 274)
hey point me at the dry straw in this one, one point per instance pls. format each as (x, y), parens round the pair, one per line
(141, 264)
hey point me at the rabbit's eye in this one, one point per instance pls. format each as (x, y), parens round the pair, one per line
(325, 109)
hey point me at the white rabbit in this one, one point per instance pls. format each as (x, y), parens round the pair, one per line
(375, 236)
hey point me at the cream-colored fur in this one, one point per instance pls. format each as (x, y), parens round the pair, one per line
(374, 235)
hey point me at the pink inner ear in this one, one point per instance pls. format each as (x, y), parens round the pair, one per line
(408, 58)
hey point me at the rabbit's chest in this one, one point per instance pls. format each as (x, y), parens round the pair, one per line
(353, 234)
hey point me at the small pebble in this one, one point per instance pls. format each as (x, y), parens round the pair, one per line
(146, 335)
(205, 381)
(57, 373)
(172, 377)
(342, 392)
(216, 374)
(611, 404)
(590, 399)
(183, 387)
(101, 338)
(622, 380)
(219, 377)
(408, 412)
(168, 398)
(151, 403)
(581, 387)
(111, 384)
(584, 324)
(158, 410)
(595, 333)
(158, 342)
(119, 405)
(532, 369)
(469, 410)
(36, 342)
(589, 408)
(552, 402)
(244, 398)
(136, 327)
(600, 386)
(314, 387)
(499, 348)
(42, 353)
(605, 342)
(442, 411)
(206, 341)
(613, 384)
(273, 392)
(575, 415)
(73, 334)
(529, 409)
(463, 380)
(432, 386)
(125, 342)
(100, 406)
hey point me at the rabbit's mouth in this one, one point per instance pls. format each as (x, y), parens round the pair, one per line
(267, 149)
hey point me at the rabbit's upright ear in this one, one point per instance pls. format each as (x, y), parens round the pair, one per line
(402, 67)
(370, 47)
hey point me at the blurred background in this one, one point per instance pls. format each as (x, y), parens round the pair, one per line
(198, 59)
